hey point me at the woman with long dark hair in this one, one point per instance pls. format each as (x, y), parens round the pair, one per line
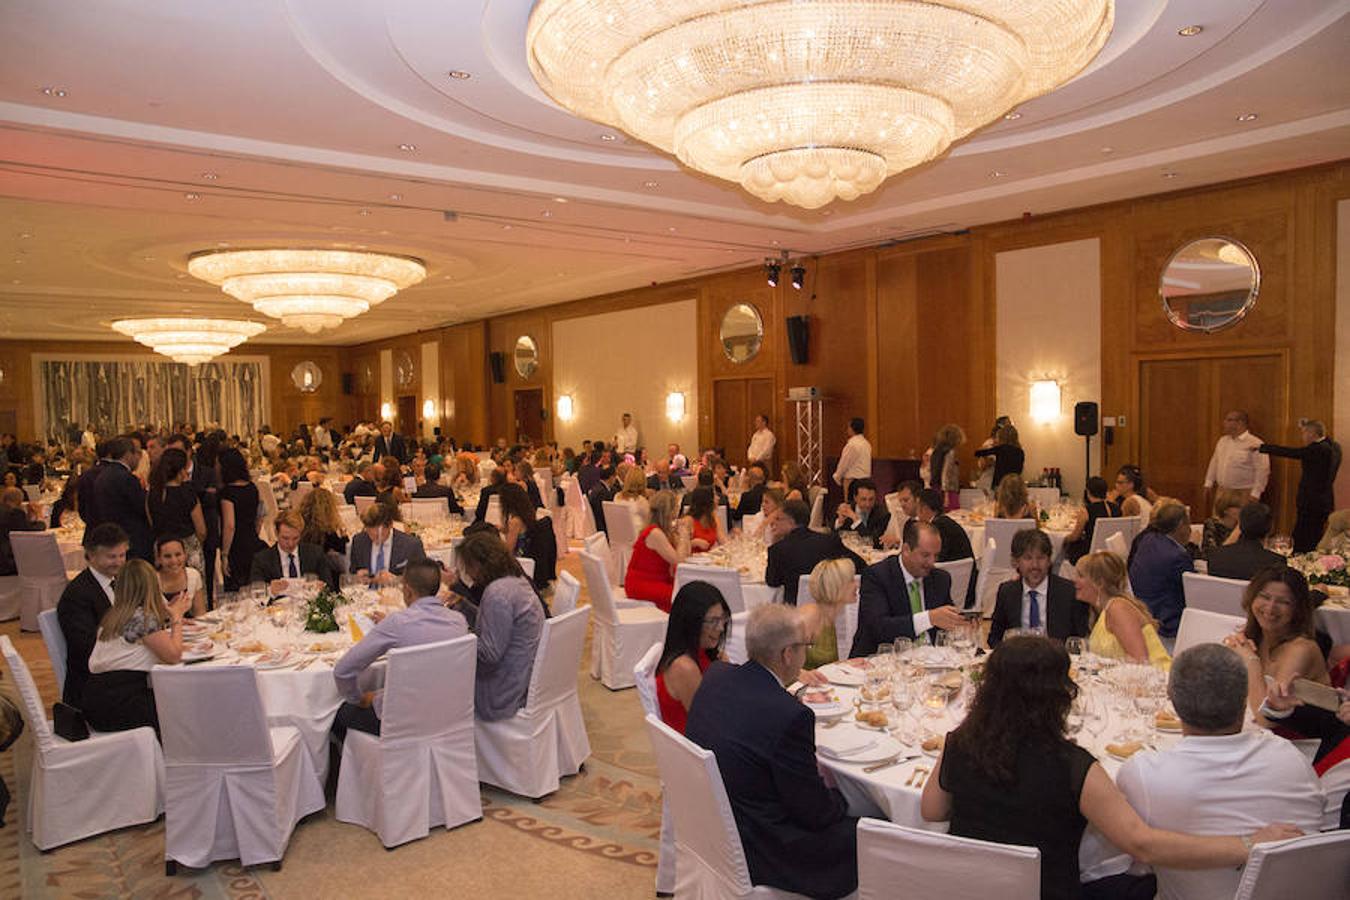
(525, 535)
(696, 633)
(1132, 493)
(174, 508)
(705, 529)
(1009, 774)
(1277, 639)
(239, 506)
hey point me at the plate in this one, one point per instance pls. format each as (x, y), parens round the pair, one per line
(1172, 729)
(273, 659)
(885, 747)
(829, 710)
(192, 656)
(839, 674)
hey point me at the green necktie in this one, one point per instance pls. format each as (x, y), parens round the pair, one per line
(916, 607)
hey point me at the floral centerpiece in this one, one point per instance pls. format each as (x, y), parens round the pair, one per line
(319, 615)
(1322, 568)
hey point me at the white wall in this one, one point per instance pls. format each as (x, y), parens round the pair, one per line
(628, 361)
(1340, 426)
(1049, 328)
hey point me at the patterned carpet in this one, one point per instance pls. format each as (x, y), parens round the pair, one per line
(597, 836)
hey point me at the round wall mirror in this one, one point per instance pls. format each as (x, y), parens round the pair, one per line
(1209, 284)
(307, 377)
(742, 332)
(527, 356)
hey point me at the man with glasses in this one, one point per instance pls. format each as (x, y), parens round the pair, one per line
(795, 830)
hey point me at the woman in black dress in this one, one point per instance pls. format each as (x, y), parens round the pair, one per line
(1095, 506)
(175, 510)
(1009, 457)
(238, 518)
(206, 482)
(1009, 775)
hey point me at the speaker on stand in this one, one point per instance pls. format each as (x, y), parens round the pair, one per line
(1085, 423)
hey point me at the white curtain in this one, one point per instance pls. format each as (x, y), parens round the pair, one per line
(115, 396)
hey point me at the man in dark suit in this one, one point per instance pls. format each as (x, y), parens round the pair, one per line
(661, 479)
(85, 600)
(796, 552)
(906, 595)
(390, 444)
(120, 497)
(1247, 555)
(492, 488)
(380, 551)
(604, 490)
(289, 558)
(865, 516)
(752, 499)
(955, 541)
(432, 487)
(84, 489)
(1320, 457)
(362, 484)
(795, 830)
(1036, 598)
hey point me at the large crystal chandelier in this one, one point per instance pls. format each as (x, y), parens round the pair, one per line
(309, 289)
(807, 100)
(188, 340)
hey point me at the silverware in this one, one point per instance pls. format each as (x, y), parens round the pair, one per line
(887, 763)
(921, 776)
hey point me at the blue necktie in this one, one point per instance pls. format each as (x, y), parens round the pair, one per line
(379, 560)
(294, 572)
(1035, 618)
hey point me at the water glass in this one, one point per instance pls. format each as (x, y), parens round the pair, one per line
(900, 650)
(1076, 646)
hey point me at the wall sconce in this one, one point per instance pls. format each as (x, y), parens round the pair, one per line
(387, 412)
(1044, 401)
(428, 408)
(675, 406)
(565, 407)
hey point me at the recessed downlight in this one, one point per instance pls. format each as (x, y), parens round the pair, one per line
(407, 148)
(1190, 30)
(460, 75)
(1248, 117)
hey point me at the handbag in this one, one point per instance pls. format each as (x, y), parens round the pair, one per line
(68, 722)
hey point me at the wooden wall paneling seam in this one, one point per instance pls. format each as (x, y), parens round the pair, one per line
(871, 329)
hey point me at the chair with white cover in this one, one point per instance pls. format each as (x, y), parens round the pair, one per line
(235, 788)
(529, 753)
(565, 594)
(623, 533)
(493, 514)
(930, 864)
(817, 520)
(1200, 626)
(960, 570)
(1315, 863)
(597, 544)
(267, 497)
(32, 492)
(644, 673)
(727, 581)
(624, 628)
(845, 621)
(580, 518)
(526, 566)
(1335, 622)
(70, 793)
(689, 481)
(421, 770)
(42, 574)
(750, 524)
(734, 650)
(710, 860)
(996, 561)
(11, 597)
(720, 512)
(55, 639)
(1116, 543)
(1126, 526)
(1208, 592)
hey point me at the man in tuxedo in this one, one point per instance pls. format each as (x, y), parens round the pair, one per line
(607, 488)
(390, 444)
(120, 497)
(84, 488)
(85, 600)
(795, 830)
(955, 541)
(380, 551)
(289, 557)
(1320, 458)
(752, 499)
(363, 484)
(1247, 555)
(864, 516)
(906, 595)
(796, 549)
(1037, 598)
(432, 487)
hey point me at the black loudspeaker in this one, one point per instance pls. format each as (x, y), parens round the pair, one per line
(348, 383)
(799, 337)
(497, 362)
(1085, 418)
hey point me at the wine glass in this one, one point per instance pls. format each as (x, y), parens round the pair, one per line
(1076, 646)
(900, 650)
(902, 698)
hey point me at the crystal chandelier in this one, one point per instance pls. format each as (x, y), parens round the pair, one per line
(309, 289)
(807, 100)
(190, 341)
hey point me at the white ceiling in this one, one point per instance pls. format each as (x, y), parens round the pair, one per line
(298, 109)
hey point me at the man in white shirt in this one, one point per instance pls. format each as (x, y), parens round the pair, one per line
(855, 460)
(626, 438)
(1235, 463)
(762, 442)
(1219, 779)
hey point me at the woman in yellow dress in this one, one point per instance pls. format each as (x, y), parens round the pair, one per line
(1125, 628)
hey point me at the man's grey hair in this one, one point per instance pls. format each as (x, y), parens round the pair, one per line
(1314, 426)
(769, 629)
(1208, 687)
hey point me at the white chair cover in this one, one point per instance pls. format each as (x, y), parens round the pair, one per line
(623, 532)
(645, 676)
(720, 512)
(421, 771)
(11, 597)
(960, 570)
(266, 530)
(32, 492)
(1335, 785)
(986, 579)
(996, 563)
(969, 498)
(545, 740)
(55, 639)
(734, 650)
(526, 566)
(580, 519)
(1199, 626)
(845, 621)
(234, 787)
(817, 520)
(1335, 622)
(350, 517)
(750, 524)
(1220, 595)
(71, 795)
(1102, 530)
(930, 864)
(710, 860)
(42, 574)
(493, 514)
(727, 581)
(624, 629)
(690, 482)
(565, 594)
(597, 544)
(545, 485)
(1309, 868)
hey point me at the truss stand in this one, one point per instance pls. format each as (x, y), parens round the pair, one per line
(808, 406)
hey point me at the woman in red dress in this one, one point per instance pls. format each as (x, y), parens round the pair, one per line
(656, 552)
(695, 635)
(705, 530)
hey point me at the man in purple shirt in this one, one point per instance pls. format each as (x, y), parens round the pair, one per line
(425, 621)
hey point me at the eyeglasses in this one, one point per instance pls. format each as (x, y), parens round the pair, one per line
(715, 621)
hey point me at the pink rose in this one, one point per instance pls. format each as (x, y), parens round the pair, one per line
(1331, 562)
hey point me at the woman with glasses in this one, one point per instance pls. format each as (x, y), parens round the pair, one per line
(695, 635)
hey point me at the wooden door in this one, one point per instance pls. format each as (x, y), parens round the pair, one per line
(1182, 405)
(736, 402)
(407, 416)
(529, 415)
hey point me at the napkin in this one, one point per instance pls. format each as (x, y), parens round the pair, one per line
(841, 743)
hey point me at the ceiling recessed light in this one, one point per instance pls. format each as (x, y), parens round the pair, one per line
(363, 212)
(1108, 149)
(997, 174)
(222, 243)
(506, 228)
(559, 199)
(671, 228)
(407, 148)
(1169, 174)
(547, 214)
(1247, 117)
(1190, 30)
(209, 176)
(775, 243)
(651, 184)
(180, 276)
(395, 196)
(147, 259)
(460, 75)
(1012, 116)
(192, 195)
(25, 235)
(609, 138)
(54, 91)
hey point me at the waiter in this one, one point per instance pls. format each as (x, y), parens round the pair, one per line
(1320, 457)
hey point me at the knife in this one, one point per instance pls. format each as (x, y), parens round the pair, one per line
(887, 763)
